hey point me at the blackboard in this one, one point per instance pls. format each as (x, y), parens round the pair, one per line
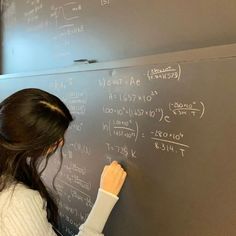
(172, 126)
(45, 34)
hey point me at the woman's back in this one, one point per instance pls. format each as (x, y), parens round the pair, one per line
(23, 212)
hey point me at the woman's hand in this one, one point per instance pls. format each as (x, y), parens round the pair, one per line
(113, 178)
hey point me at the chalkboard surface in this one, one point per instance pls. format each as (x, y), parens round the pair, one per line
(43, 34)
(172, 126)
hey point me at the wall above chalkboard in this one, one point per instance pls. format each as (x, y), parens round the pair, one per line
(50, 34)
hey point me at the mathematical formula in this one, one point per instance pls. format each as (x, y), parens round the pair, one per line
(126, 113)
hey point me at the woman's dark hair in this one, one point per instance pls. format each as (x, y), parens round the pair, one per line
(32, 122)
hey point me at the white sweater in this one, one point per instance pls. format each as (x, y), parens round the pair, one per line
(22, 213)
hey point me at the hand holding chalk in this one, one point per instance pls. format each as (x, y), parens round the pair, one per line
(113, 178)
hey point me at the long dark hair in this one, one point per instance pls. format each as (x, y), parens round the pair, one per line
(32, 122)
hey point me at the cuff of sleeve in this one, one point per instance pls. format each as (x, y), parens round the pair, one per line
(108, 193)
(100, 212)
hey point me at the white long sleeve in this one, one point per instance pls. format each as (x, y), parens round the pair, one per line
(22, 214)
(99, 214)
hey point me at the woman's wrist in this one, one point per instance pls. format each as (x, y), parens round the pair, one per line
(108, 193)
(100, 212)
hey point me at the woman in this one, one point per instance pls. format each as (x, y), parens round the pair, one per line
(32, 127)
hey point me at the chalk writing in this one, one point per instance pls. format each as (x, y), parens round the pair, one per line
(68, 24)
(76, 126)
(69, 220)
(80, 148)
(74, 180)
(132, 98)
(131, 81)
(32, 14)
(123, 150)
(165, 73)
(165, 134)
(105, 2)
(156, 113)
(169, 141)
(74, 167)
(73, 211)
(128, 129)
(74, 193)
(184, 109)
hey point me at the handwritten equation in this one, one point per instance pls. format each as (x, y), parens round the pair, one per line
(68, 24)
(185, 109)
(131, 102)
(126, 114)
(162, 114)
(165, 73)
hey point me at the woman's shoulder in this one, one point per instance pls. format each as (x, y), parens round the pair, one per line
(22, 211)
(19, 196)
(18, 190)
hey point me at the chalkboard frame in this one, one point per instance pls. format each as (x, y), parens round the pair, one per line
(214, 52)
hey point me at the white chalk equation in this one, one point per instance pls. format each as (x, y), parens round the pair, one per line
(75, 100)
(130, 81)
(72, 211)
(165, 114)
(183, 109)
(74, 179)
(61, 85)
(127, 129)
(81, 148)
(76, 125)
(73, 167)
(74, 194)
(165, 73)
(133, 97)
(157, 113)
(66, 15)
(122, 150)
(71, 148)
(68, 25)
(166, 141)
(70, 194)
(32, 14)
